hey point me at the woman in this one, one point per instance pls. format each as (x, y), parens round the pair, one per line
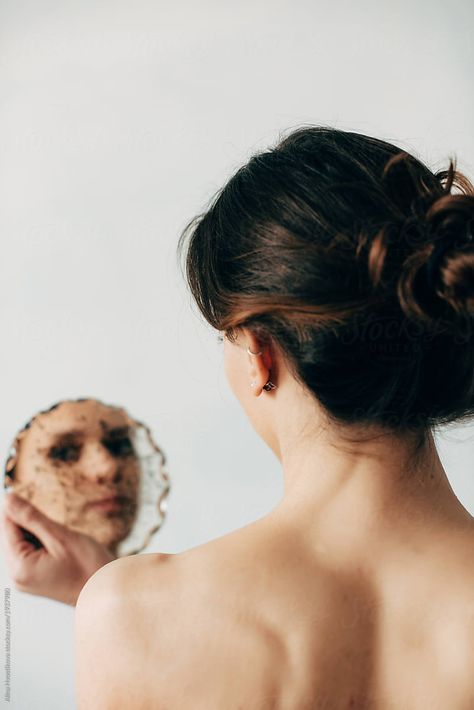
(340, 271)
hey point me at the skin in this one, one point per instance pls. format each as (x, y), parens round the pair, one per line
(356, 591)
(74, 455)
(60, 566)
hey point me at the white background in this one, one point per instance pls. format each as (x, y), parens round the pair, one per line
(118, 122)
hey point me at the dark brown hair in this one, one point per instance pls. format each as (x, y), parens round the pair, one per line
(357, 261)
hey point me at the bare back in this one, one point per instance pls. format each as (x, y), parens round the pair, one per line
(253, 621)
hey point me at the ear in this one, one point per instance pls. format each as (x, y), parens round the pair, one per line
(259, 366)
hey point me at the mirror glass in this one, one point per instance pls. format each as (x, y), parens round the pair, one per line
(93, 468)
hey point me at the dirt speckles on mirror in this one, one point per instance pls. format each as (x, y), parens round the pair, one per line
(91, 467)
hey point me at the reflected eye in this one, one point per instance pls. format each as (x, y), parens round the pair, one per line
(119, 447)
(65, 452)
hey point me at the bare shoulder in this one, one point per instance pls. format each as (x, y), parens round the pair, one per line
(453, 592)
(247, 620)
(120, 576)
(110, 631)
(187, 630)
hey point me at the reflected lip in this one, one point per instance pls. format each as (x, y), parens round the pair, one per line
(110, 501)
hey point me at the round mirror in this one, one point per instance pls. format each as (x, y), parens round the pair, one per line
(93, 468)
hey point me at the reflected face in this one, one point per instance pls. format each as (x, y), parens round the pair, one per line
(76, 463)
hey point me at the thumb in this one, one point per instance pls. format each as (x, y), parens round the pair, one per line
(25, 515)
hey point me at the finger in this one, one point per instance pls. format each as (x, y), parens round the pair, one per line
(22, 557)
(25, 515)
(13, 540)
(11, 532)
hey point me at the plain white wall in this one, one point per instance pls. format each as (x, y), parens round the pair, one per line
(118, 122)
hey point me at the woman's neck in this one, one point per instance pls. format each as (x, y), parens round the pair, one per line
(352, 500)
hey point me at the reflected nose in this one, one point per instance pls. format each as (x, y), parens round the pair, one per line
(99, 464)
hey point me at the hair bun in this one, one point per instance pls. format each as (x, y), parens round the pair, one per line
(437, 280)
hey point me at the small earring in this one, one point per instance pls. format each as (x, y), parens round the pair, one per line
(252, 353)
(269, 384)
